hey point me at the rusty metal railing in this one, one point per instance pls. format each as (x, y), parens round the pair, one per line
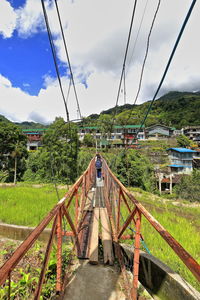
(117, 193)
(116, 197)
(60, 211)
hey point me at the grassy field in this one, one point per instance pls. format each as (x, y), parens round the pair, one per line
(183, 222)
(27, 205)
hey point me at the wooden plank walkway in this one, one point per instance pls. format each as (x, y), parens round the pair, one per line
(96, 217)
(106, 237)
(94, 239)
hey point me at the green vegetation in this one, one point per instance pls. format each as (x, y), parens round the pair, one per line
(182, 222)
(25, 277)
(183, 141)
(132, 168)
(27, 205)
(88, 140)
(58, 157)
(12, 152)
(189, 187)
(177, 109)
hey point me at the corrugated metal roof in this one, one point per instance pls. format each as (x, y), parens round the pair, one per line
(179, 166)
(34, 129)
(115, 126)
(182, 150)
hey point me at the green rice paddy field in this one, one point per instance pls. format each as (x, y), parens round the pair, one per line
(27, 205)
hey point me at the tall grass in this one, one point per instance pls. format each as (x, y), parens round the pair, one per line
(27, 205)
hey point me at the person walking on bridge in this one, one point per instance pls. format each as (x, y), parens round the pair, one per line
(98, 165)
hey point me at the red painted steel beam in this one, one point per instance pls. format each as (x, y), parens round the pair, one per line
(69, 221)
(45, 262)
(68, 233)
(127, 237)
(118, 212)
(188, 260)
(29, 241)
(59, 252)
(136, 257)
(127, 222)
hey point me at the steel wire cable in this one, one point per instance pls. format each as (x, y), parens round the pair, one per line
(53, 50)
(136, 39)
(168, 63)
(68, 59)
(145, 58)
(125, 57)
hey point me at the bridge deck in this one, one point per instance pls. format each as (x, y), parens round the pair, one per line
(96, 224)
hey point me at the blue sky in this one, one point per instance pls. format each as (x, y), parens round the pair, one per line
(26, 61)
(96, 33)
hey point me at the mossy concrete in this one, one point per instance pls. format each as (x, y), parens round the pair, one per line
(158, 279)
(17, 232)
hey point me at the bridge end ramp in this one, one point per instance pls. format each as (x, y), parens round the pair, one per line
(97, 282)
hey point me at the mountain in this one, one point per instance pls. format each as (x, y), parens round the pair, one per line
(4, 119)
(176, 109)
(28, 125)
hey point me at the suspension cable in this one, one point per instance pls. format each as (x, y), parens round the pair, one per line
(67, 54)
(168, 64)
(136, 39)
(53, 50)
(125, 57)
(147, 50)
(144, 61)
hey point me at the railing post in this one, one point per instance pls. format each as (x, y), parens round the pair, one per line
(118, 212)
(136, 256)
(9, 285)
(45, 262)
(76, 209)
(59, 252)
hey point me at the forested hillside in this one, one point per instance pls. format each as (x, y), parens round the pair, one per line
(176, 109)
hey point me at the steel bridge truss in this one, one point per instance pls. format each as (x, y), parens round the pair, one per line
(123, 210)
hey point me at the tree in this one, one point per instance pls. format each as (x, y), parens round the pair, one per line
(58, 157)
(133, 169)
(106, 125)
(189, 187)
(88, 140)
(13, 151)
(183, 141)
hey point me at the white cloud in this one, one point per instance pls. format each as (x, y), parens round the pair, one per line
(30, 18)
(5, 82)
(96, 34)
(7, 19)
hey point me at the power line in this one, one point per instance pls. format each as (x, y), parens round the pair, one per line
(168, 63)
(67, 54)
(53, 50)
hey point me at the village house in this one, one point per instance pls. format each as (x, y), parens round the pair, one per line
(181, 160)
(157, 132)
(192, 132)
(34, 138)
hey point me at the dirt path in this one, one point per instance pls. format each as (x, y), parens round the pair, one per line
(97, 282)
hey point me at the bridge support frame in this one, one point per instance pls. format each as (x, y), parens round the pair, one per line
(136, 256)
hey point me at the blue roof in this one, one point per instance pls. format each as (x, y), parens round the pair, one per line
(183, 150)
(179, 166)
